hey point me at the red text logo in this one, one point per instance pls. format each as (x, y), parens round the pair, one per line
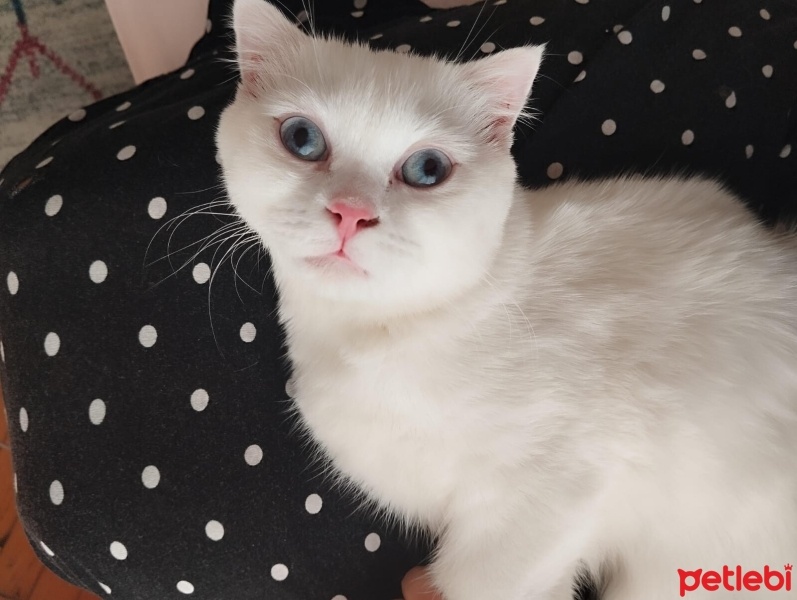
(735, 579)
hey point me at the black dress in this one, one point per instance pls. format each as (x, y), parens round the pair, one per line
(142, 363)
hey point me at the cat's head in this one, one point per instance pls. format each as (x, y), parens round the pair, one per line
(375, 179)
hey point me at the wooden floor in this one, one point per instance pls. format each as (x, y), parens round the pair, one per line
(22, 576)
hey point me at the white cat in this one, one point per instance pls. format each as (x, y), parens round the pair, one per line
(595, 376)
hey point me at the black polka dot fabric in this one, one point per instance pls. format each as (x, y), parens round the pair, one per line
(142, 364)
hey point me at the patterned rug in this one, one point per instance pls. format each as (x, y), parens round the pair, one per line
(55, 56)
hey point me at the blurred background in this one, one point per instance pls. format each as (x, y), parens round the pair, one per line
(55, 56)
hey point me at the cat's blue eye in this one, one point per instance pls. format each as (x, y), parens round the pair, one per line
(302, 138)
(426, 168)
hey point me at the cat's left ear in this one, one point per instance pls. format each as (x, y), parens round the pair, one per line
(504, 79)
(264, 40)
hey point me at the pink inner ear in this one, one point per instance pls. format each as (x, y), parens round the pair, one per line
(505, 78)
(499, 129)
(251, 73)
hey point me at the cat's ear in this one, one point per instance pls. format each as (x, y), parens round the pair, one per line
(504, 79)
(264, 39)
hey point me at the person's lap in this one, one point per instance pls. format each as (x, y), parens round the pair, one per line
(152, 440)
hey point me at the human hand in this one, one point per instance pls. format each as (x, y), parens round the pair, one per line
(417, 585)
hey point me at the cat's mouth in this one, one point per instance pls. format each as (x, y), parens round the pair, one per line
(338, 261)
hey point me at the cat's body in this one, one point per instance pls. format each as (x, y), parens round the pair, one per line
(607, 379)
(630, 399)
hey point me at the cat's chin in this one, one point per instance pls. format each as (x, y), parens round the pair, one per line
(335, 263)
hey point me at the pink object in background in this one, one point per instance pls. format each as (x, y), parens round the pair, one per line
(444, 4)
(157, 35)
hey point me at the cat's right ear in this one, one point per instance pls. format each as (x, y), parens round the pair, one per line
(264, 40)
(504, 80)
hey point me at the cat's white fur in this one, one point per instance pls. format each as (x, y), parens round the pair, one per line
(595, 374)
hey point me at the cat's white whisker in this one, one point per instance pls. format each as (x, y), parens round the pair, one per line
(472, 27)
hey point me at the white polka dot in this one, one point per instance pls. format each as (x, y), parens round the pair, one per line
(253, 455)
(157, 208)
(425, 19)
(279, 572)
(764, 14)
(625, 37)
(536, 20)
(98, 271)
(248, 332)
(734, 32)
(290, 387)
(214, 530)
(201, 273)
(148, 336)
(357, 14)
(360, 4)
(53, 205)
(303, 16)
(575, 57)
(555, 170)
(187, 74)
(404, 48)
(785, 151)
(748, 150)
(698, 1)
(46, 549)
(487, 47)
(150, 477)
(104, 587)
(45, 162)
(117, 124)
(580, 76)
(657, 86)
(583, 1)
(52, 344)
(23, 419)
(698, 54)
(78, 115)
(97, 411)
(453, 23)
(665, 13)
(126, 153)
(2, 352)
(13, 283)
(376, 36)
(339, 597)
(118, 550)
(56, 492)
(795, 44)
(185, 587)
(617, 29)
(687, 137)
(372, 542)
(313, 504)
(608, 127)
(208, 26)
(730, 101)
(196, 112)
(199, 400)
(767, 71)
(123, 106)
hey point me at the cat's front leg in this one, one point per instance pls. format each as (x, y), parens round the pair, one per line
(507, 563)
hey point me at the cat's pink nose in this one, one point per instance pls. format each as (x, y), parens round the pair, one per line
(351, 219)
